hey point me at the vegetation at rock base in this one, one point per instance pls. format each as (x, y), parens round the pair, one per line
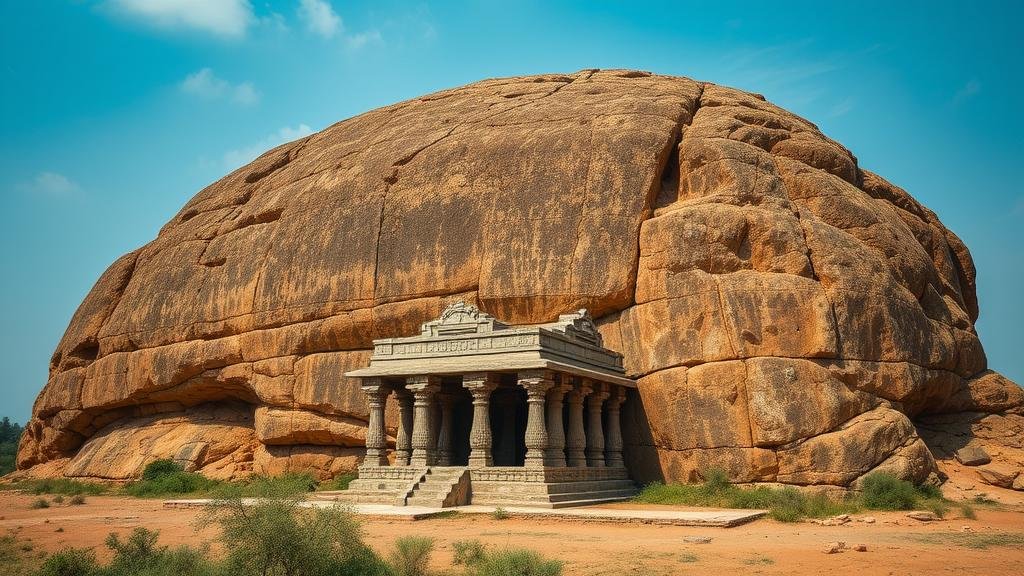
(276, 537)
(166, 477)
(62, 486)
(339, 482)
(879, 491)
(10, 435)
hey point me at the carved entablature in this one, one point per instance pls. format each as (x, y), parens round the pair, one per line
(461, 318)
(579, 325)
(465, 340)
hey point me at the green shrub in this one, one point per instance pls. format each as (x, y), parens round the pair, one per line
(967, 511)
(937, 507)
(71, 562)
(278, 537)
(516, 563)
(39, 503)
(160, 468)
(411, 555)
(500, 514)
(58, 499)
(166, 477)
(468, 552)
(882, 491)
(77, 500)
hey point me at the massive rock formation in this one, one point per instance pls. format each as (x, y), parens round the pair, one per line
(788, 314)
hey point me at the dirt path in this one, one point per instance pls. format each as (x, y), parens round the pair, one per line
(896, 544)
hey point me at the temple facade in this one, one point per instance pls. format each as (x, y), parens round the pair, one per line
(494, 414)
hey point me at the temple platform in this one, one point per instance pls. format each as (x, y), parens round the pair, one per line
(506, 486)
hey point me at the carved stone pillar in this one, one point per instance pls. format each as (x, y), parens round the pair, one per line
(613, 443)
(480, 385)
(556, 434)
(403, 441)
(445, 449)
(536, 383)
(576, 438)
(376, 440)
(424, 438)
(595, 435)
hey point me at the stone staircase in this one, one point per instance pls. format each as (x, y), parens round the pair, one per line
(434, 487)
(375, 486)
(441, 487)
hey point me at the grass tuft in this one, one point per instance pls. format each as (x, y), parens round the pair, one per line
(411, 555)
(39, 503)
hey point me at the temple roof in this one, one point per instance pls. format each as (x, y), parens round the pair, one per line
(463, 339)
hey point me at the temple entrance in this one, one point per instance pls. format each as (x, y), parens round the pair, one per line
(508, 425)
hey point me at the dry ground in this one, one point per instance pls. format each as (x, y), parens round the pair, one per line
(896, 544)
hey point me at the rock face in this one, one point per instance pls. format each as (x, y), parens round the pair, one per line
(787, 314)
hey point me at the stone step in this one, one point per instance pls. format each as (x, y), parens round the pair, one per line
(425, 502)
(538, 488)
(584, 500)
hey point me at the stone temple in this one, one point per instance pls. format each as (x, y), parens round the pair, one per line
(493, 414)
(757, 302)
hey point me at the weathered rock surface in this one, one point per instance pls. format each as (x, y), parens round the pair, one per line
(787, 313)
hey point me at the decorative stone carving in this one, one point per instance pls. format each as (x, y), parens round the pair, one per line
(536, 384)
(595, 434)
(480, 385)
(576, 438)
(579, 325)
(461, 318)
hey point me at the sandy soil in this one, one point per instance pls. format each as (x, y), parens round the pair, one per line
(896, 544)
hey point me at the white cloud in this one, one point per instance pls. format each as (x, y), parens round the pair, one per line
(320, 18)
(968, 90)
(228, 18)
(242, 156)
(205, 84)
(357, 41)
(52, 184)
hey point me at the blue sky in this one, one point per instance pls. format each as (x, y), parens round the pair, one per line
(114, 113)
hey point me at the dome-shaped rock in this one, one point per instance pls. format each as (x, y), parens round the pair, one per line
(788, 315)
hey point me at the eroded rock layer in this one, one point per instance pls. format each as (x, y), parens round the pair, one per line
(787, 314)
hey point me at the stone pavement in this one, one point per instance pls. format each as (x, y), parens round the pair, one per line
(693, 517)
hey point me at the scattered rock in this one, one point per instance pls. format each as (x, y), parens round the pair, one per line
(1000, 475)
(835, 520)
(867, 519)
(966, 529)
(834, 547)
(972, 456)
(860, 548)
(923, 516)
(697, 539)
(1018, 482)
